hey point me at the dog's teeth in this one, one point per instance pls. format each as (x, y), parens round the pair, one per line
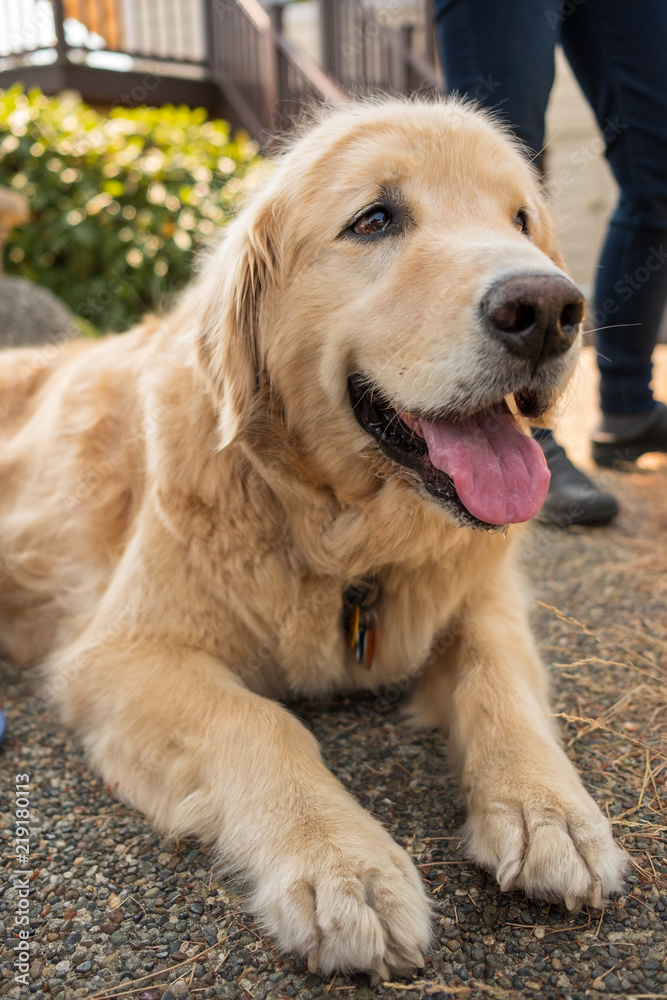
(313, 959)
(411, 421)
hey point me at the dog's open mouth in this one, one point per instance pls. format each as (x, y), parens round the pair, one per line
(484, 468)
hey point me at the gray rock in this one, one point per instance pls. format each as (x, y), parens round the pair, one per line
(31, 315)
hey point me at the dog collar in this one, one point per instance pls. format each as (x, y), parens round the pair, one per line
(360, 618)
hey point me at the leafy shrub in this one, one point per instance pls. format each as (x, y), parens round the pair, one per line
(118, 203)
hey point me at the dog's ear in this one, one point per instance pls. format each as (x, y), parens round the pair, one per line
(232, 289)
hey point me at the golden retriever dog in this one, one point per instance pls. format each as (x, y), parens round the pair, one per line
(299, 482)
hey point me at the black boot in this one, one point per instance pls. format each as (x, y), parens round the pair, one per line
(573, 498)
(612, 451)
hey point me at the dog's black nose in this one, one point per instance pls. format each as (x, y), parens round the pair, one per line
(535, 316)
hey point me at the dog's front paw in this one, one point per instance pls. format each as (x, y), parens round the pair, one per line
(555, 844)
(350, 907)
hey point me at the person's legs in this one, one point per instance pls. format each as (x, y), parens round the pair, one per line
(502, 55)
(617, 53)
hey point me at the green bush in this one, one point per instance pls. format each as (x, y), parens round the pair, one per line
(119, 203)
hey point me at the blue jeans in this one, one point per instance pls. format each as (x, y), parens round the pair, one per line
(502, 54)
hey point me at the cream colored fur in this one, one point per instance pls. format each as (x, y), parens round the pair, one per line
(183, 506)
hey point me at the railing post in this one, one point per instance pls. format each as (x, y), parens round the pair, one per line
(401, 43)
(210, 38)
(330, 35)
(269, 60)
(58, 20)
(279, 64)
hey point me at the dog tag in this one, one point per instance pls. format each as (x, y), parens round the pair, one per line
(364, 646)
(360, 619)
(360, 644)
(353, 628)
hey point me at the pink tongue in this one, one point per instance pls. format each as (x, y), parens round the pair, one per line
(499, 472)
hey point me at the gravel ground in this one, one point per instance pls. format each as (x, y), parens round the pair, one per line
(117, 911)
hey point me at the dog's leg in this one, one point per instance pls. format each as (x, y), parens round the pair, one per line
(183, 740)
(530, 819)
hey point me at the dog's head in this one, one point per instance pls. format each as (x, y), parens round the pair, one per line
(395, 296)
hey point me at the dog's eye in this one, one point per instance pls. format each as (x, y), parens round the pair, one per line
(375, 221)
(521, 222)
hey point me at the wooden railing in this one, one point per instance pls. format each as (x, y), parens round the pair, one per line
(365, 53)
(264, 76)
(138, 28)
(233, 56)
(300, 81)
